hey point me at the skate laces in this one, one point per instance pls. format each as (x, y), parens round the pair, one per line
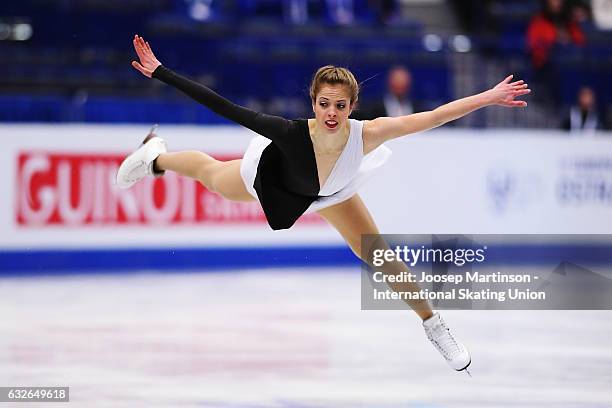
(444, 341)
(136, 172)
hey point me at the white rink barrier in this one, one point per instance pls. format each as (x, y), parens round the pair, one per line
(58, 192)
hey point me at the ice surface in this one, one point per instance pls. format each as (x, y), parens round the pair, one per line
(284, 338)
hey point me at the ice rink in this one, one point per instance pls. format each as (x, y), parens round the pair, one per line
(284, 338)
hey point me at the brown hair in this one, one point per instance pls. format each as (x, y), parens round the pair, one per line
(333, 75)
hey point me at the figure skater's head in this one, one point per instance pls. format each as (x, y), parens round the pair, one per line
(334, 92)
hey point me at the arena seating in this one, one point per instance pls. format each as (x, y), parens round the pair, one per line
(76, 65)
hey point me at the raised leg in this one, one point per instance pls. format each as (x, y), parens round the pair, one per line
(352, 219)
(218, 176)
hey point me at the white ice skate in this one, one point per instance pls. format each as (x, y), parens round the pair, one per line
(140, 163)
(455, 353)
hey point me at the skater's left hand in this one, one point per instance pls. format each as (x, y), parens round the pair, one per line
(148, 63)
(503, 94)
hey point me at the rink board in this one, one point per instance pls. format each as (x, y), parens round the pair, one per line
(60, 205)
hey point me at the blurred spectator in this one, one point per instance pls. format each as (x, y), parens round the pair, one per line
(385, 11)
(583, 116)
(340, 12)
(555, 24)
(580, 12)
(397, 100)
(296, 11)
(474, 16)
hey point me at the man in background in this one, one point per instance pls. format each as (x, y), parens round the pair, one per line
(397, 100)
(583, 116)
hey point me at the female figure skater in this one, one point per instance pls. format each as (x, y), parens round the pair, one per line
(309, 165)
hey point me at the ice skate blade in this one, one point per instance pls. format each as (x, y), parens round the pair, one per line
(151, 133)
(466, 368)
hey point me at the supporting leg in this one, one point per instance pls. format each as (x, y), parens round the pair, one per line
(352, 219)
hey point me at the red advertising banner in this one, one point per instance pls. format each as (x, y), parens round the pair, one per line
(79, 190)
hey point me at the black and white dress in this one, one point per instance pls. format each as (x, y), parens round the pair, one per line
(279, 167)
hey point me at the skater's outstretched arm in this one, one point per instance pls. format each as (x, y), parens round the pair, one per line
(270, 126)
(380, 130)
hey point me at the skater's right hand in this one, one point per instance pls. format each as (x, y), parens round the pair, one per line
(148, 63)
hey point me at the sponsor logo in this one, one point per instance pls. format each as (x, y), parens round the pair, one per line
(512, 190)
(585, 181)
(79, 190)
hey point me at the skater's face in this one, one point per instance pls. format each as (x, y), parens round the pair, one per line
(332, 107)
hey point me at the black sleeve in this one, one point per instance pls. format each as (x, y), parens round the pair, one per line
(274, 128)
